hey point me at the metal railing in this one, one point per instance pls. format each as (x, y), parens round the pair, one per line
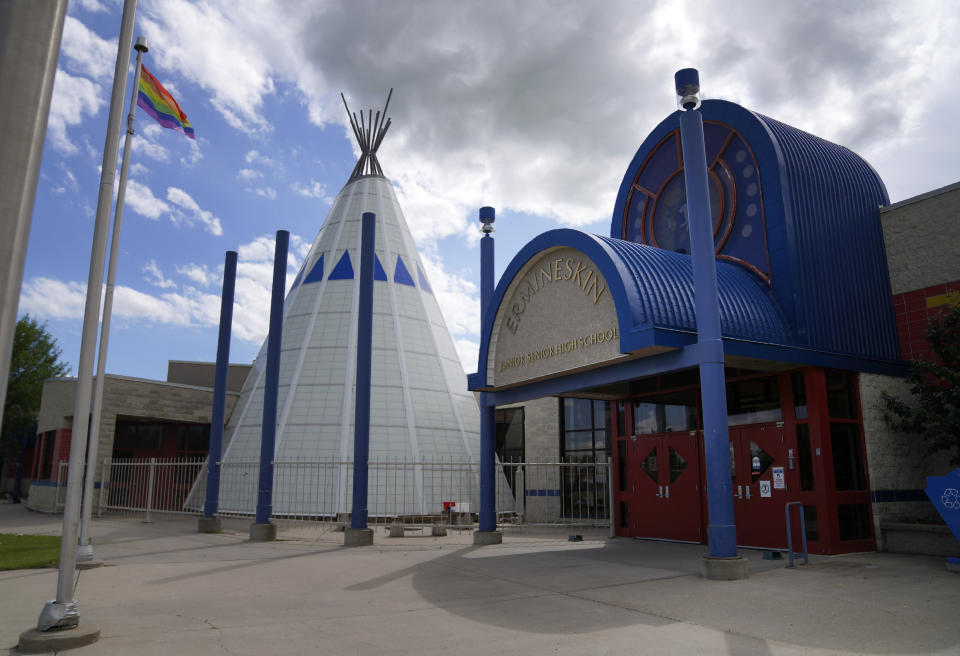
(439, 492)
(60, 500)
(148, 485)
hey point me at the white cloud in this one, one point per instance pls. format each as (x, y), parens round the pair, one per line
(47, 298)
(89, 5)
(195, 155)
(266, 192)
(189, 212)
(53, 299)
(249, 175)
(313, 189)
(545, 121)
(141, 200)
(86, 53)
(137, 169)
(69, 181)
(198, 273)
(469, 352)
(75, 99)
(151, 149)
(255, 157)
(155, 276)
(458, 297)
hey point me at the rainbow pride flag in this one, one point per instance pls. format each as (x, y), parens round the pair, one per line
(159, 104)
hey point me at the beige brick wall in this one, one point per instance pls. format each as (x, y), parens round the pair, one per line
(896, 461)
(921, 236)
(129, 398)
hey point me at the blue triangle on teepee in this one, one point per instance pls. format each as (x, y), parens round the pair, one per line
(316, 273)
(343, 270)
(401, 275)
(378, 272)
(424, 285)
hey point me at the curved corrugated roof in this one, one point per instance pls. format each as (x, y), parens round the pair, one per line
(828, 269)
(663, 283)
(653, 288)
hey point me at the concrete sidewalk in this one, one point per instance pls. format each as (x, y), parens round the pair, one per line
(166, 589)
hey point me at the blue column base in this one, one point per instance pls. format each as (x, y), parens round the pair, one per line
(358, 518)
(722, 540)
(210, 509)
(487, 520)
(263, 514)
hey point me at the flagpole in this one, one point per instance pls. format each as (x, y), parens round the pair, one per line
(85, 548)
(63, 611)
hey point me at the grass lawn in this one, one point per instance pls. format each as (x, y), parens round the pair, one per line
(28, 551)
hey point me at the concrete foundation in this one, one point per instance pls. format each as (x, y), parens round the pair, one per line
(357, 537)
(438, 531)
(263, 532)
(37, 641)
(724, 569)
(208, 525)
(926, 539)
(396, 530)
(483, 538)
(93, 563)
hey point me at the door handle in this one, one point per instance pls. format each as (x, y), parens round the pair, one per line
(739, 493)
(748, 491)
(660, 493)
(668, 490)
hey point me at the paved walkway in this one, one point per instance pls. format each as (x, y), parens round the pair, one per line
(166, 589)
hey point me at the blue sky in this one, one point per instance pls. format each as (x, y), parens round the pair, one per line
(535, 108)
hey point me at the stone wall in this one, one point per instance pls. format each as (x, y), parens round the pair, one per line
(541, 434)
(898, 463)
(127, 398)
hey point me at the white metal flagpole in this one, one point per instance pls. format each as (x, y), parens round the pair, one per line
(85, 548)
(63, 612)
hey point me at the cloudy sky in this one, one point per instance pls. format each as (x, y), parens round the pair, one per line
(533, 107)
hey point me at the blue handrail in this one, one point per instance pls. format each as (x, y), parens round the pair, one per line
(803, 534)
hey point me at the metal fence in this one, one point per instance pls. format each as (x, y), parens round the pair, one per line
(412, 493)
(63, 468)
(148, 485)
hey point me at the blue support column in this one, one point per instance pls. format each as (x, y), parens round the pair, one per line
(269, 429)
(211, 505)
(361, 421)
(488, 443)
(721, 530)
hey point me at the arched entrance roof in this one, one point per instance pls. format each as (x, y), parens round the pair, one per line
(653, 306)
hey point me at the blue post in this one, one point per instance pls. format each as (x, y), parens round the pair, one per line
(268, 433)
(220, 385)
(721, 530)
(361, 418)
(488, 441)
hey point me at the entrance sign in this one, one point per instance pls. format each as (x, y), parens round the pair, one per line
(557, 315)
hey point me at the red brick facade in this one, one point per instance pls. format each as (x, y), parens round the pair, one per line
(914, 311)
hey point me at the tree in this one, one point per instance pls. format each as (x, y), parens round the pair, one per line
(934, 410)
(35, 357)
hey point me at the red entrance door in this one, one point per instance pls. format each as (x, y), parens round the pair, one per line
(664, 487)
(758, 467)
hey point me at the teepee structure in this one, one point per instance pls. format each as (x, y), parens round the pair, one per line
(421, 412)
